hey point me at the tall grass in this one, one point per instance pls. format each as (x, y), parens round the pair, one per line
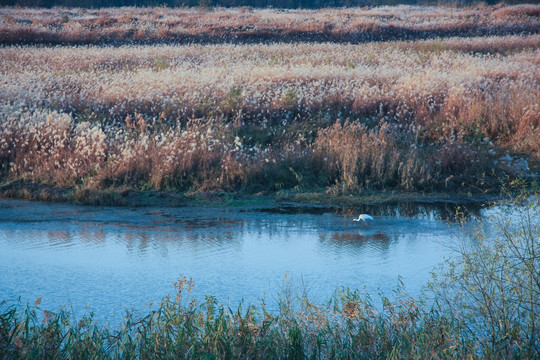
(423, 115)
(350, 326)
(482, 303)
(207, 155)
(247, 25)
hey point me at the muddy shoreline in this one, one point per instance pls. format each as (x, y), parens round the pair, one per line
(125, 197)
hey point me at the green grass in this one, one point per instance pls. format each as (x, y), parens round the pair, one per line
(126, 196)
(350, 326)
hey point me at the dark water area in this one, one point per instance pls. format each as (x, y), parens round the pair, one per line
(107, 259)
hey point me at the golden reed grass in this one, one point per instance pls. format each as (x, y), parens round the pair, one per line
(447, 113)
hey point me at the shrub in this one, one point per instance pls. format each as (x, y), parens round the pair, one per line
(493, 284)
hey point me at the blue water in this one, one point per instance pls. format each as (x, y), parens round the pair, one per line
(106, 259)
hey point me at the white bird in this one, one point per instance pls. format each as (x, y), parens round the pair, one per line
(364, 217)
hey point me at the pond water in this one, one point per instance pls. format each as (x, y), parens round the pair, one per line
(108, 259)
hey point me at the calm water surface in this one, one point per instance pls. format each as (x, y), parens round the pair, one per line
(106, 259)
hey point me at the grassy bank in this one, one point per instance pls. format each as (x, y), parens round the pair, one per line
(143, 198)
(481, 304)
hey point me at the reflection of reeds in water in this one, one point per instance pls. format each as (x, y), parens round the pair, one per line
(357, 241)
(359, 238)
(170, 228)
(436, 210)
(433, 210)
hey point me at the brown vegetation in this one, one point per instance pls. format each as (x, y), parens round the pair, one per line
(163, 25)
(410, 115)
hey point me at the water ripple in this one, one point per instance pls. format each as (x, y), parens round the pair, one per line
(104, 256)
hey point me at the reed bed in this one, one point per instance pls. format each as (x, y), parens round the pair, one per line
(440, 114)
(350, 327)
(177, 25)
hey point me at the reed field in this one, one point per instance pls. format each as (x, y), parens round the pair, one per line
(444, 111)
(217, 25)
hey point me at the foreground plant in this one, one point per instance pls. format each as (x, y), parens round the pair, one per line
(493, 285)
(350, 326)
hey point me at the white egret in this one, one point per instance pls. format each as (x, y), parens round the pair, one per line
(364, 217)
